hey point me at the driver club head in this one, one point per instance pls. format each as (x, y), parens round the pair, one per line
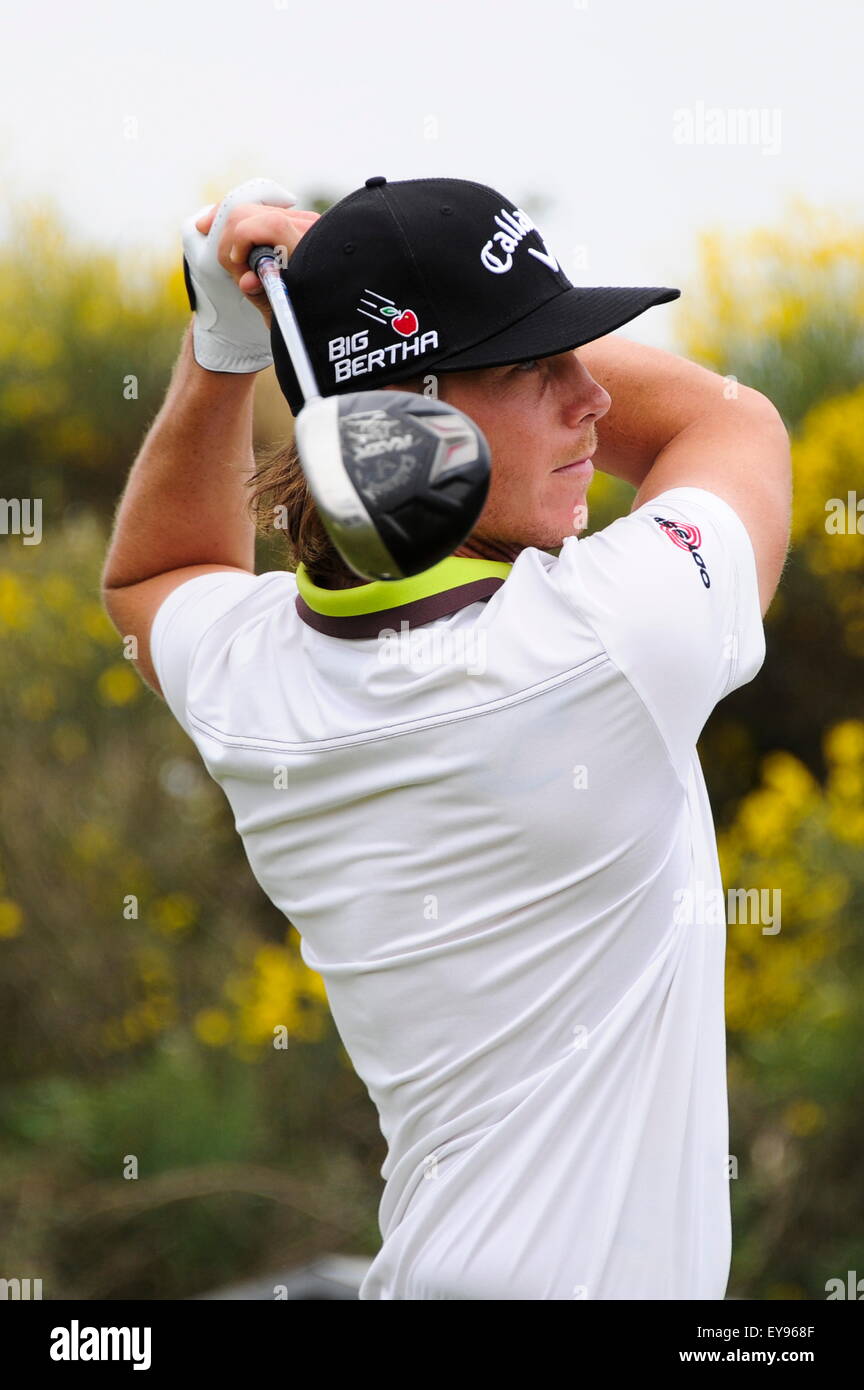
(399, 479)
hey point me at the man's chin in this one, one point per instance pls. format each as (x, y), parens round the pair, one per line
(536, 539)
(578, 524)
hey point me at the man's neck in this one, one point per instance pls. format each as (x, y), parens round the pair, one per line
(479, 548)
(475, 548)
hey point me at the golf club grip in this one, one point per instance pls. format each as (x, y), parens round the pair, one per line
(263, 260)
(258, 253)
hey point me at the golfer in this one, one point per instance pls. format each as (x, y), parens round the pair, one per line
(476, 792)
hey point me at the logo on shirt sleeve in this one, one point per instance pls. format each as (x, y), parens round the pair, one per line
(688, 537)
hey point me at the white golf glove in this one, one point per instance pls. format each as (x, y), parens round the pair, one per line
(228, 333)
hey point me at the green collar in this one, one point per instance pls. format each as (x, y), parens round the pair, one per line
(368, 608)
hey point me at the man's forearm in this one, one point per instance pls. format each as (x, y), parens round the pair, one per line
(655, 395)
(185, 501)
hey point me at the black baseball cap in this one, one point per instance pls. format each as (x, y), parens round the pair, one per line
(437, 275)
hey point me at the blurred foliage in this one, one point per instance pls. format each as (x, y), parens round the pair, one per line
(87, 341)
(795, 967)
(154, 1006)
(84, 343)
(781, 309)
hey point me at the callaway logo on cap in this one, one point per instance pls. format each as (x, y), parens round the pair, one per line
(397, 279)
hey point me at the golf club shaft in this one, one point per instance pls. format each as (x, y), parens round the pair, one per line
(262, 260)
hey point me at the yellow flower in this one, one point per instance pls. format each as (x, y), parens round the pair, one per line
(98, 625)
(175, 912)
(11, 918)
(16, 603)
(824, 897)
(785, 316)
(118, 684)
(789, 876)
(847, 825)
(846, 783)
(282, 993)
(763, 818)
(213, 1027)
(791, 778)
(845, 742)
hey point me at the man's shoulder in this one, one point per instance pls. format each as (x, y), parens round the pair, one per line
(220, 593)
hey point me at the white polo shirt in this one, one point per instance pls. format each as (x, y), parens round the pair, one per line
(476, 795)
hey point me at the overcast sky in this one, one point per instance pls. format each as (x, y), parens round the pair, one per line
(614, 120)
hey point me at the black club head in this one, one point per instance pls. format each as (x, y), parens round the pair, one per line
(399, 479)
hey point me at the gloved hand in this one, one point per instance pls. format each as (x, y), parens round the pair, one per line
(229, 334)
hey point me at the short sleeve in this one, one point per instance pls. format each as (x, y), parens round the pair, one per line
(183, 619)
(672, 593)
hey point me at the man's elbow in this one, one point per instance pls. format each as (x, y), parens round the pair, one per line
(112, 598)
(764, 407)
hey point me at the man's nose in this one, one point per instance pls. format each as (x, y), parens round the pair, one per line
(583, 395)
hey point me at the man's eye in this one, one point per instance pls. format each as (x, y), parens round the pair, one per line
(527, 366)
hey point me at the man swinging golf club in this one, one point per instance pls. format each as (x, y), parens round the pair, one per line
(492, 863)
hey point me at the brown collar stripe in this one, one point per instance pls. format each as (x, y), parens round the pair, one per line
(415, 613)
